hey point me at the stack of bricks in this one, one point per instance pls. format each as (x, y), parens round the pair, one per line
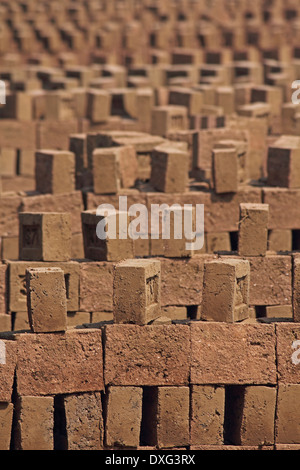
(110, 111)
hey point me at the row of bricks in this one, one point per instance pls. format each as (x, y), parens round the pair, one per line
(196, 417)
(197, 353)
(181, 282)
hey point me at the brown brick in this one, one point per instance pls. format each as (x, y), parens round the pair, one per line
(55, 171)
(20, 321)
(253, 229)
(77, 318)
(137, 291)
(6, 416)
(5, 322)
(60, 363)
(207, 414)
(296, 289)
(240, 353)
(98, 105)
(35, 421)
(123, 416)
(54, 134)
(147, 355)
(8, 361)
(10, 248)
(46, 299)
(84, 422)
(17, 134)
(169, 169)
(3, 288)
(283, 203)
(279, 311)
(225, 170)
(284, 163)
(98, 317)
(168, 118)
(217, 241)
(280, 240)
(226, 290)
(166, 420)
(8, 162)
(287, 419)
(288, 335)
(253, 413)
(96, 278)
(45, 236)
(10, 205)
(17, 283)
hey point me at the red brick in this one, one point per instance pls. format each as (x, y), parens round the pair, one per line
(96, 286)
(232, 353)
(147, 355)
(60, 363)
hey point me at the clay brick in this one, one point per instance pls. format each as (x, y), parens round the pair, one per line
(147, 355)
(18, 107)
(137, 291)
(217, 241)
(98, 317)
(123, 102)
(114, 168)
(166, 418)
(288, 335)
(8, 162)
(283, 203)
(54, 134)
(123, 416)
(44, 236)
(96, 286)
(280, 240)
(252, 411)
(168, 118)
(226, 290)
(283, 163)
(20, 321)
(279, 311)
(287, 416)
(117, 245)
(240, 353)
(83, 421)
(169, 170)
(5, 322)
(9, 207)
(10, 248)
(6, 416)
(296, 289)
(60, 363)
(77, 318)
(8, 361)
(191, 99)
(225, 170)
(34, 425)
(17, 134)
(253, 229)
(55, 171)
(98, 105)
(3, 288)
(78, 146)
(174, 312)
(17, 283)
(46, 299)
(207, 414)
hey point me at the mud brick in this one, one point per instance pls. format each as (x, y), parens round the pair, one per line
(296, 288)
(191, 137)
(5, 322)
(123, 416)
(17, 134)
(55, 171)
(268, 94)
(67, 203)
(96, 286)
(98, 105)
(34, 423)
(46, 299)
(145, 103)
(207, 414)
(82, 73)
(217, 241)
(288, 336)
(241, 354)
(191, 99)
(124, 102)
(174, 312)
(255, 110)
(10, 205)
(225, 99)
(8, 162)
(225, 170)
(169, 169)
(60, 363)
(58, 106)
(45, 236)
(77, 318)
(20, 321)
(6, 416)
(137, 291)
(18, 107)
(253, 229)
(279, 311)
(77, 248)
(8, 361)
(166, 420)
(3, 288)
(150, 355)
(241, 149)
(253, 413)
(10, 248)
(283, 203)
(287, 415)
(168, 118)
(280, 240)
(83, 421)
(270, 280)
(26, 162)
(78, 146)
(114, 168)
(55, 134)
(182, 55)
(115, 246)
(17, 283)
(283, 163)
(226, 290)
(98, 317)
